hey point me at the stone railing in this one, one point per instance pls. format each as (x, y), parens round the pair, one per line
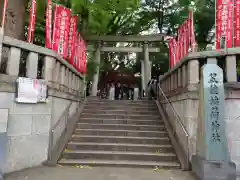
(29, 126)
(28, 60)
(181, 86)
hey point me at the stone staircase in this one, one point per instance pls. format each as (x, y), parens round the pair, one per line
(120, 133)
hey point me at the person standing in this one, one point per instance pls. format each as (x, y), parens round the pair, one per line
(118, 91)
(111, 92)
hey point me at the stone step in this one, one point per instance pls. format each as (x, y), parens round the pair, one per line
(119, 155)
(119, 147)
(106, 132)
(121, 107)
(120, 127)
(121, 121)
(119, 116)
(111, 163)
(121, 112)
(127, 102)
(121, 139)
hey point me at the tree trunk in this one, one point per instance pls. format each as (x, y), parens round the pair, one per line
(15, 18)
(14, 25)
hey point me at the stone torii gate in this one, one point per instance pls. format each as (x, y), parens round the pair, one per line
(95, 43)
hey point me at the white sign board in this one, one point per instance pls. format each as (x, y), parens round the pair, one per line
(31, 90)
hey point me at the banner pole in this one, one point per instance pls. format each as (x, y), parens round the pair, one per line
(4, 12)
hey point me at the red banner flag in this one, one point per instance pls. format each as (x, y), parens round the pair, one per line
(187, 36)
(32, 21)
(55, 29)
(80, 62)
(4, 12)
(192, 40)
(182, 41)
(179, 42)
(171, 64)
(76, 54)
(48, 28)
(61, 30)
(237, 23)
(218, 22)
(229, 29)
(173, 52)
(84, 58)
(72, 39)
(223, 12)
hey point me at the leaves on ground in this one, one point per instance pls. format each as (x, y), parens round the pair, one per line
(82, 166)
(67, 150)
(158, 151)
(157, 168)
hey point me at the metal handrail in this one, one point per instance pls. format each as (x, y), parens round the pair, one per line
(65, 116)
(174, 111)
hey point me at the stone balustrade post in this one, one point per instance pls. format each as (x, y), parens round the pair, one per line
(49, 68)
(62, 75)
(80, 86)
(163, 85)
(13, 61)
(171, 82)
(231, 68)
(74, 83)
(78, 82)
(175, 80)
(32, 65)
(179, 80)
(193, 72)
(168, 83)
(70, 81)
(56, 74)
(66, 82)
(184, 75)
(212, 60)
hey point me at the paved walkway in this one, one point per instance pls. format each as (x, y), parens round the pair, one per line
(98, 173)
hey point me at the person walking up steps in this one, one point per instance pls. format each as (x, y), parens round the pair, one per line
(112, 92)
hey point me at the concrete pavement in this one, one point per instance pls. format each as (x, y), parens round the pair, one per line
(98, 173)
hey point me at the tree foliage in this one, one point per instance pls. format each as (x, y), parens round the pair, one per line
(129, 17)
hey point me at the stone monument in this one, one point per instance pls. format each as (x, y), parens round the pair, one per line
(212, 161)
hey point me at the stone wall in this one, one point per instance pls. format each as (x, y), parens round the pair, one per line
(186, 105)
(28, 131)
(29, 126)
(180, 87)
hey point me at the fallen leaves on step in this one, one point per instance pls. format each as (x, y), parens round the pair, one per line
(67, 150)
(158, 151)
(157, 168)
(22, 178)
(83, 167)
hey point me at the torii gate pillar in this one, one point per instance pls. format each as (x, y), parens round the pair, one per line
(96, 75)
(147, 64)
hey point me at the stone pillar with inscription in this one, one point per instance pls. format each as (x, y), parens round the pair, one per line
(212, 161)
